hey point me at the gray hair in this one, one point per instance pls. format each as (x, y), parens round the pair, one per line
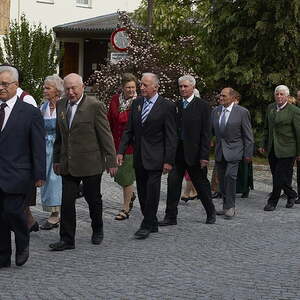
(74, 75)
(282, 88)
(57, 82)
(189, 78)
(154, 77)
(12, 71)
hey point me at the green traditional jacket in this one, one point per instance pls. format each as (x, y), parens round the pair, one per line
(282, 131)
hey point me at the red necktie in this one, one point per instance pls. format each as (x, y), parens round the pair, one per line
(2, 114)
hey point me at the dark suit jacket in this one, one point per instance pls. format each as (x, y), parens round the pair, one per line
(282, 130)
(194, 125)
(22, 149)
(155, 141)
(87, 148)
(237, 141)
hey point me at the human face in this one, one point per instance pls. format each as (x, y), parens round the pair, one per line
(186, 89)
(280, 97)
(8, 87)
(225, 98)
(148, 87)
(50, 92)
(73, 88)
(129, 89)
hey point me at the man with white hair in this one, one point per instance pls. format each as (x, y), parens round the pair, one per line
(192, 153)
(22, 157)
(151, 129)
(83, 149)
(281, 141)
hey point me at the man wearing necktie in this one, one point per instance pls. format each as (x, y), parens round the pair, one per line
(151, 129)
(22, 157)
(281, 141)
(83, 149)
(234, 141)
(192, 152)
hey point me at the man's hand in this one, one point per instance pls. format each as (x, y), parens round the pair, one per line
(39, 183)
(247, 159)
(203, 163)
(167, 168)
(112, 171)
(261, 150)
(120, 158)
(56, 168)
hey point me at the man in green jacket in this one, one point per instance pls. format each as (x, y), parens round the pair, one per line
(281, 141)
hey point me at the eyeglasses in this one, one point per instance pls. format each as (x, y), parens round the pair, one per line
(6, 84)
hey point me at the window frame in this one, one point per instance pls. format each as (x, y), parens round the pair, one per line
(88, 5)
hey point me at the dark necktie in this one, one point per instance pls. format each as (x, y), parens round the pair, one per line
(185, 103)
(2, 114)
(69, 113)
(146, 110)
(223, 121)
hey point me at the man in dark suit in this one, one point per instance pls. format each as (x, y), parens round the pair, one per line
(194, 128)
(83, 149)
(281, 141)
(234, 141)
(22, 157)
(152, 131)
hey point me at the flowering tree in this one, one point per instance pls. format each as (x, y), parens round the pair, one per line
(144, 55)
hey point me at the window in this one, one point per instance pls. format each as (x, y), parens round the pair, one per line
(84, 3)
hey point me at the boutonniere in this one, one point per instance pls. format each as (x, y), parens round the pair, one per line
(62, 116)
(139, 108)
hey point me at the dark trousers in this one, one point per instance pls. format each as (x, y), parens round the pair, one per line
(148, 188)
(227, 173)
(92, 194)
(298, 178)
(282, 172)
(12, 218)
(199, 179)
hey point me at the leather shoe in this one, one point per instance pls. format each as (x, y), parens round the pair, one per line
(142, 233)
(269, 207)
(298, 200)
(211, 219)
(216, 195)
(48, 226)
(97, 238)
(35, 227)
(290, 203)
(22, 257)
(6, 264)
(61, 246)
(220, 212)
(229, 213)
(167, 222)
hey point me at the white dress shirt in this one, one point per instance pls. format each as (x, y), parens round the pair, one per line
(8, 109)
(227, 111)
(28, 98)
(73, 109)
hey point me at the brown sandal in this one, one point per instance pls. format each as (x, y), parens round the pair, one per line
(122, 215)
(131, 201)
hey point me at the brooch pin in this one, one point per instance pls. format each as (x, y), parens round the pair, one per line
(139, 108)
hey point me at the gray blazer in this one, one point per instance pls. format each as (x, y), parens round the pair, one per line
(237, 140)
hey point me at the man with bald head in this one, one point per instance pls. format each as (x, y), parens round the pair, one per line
(83, 149)
(231, 125)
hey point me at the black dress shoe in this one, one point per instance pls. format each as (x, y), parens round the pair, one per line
(297, 201)
(245, 195)
(48, 226)
(220, 212)
(167, 222)
(154, 229)
(290, 203)
(61, 246)
(5, 264)
(211, 219)
(216, 195)
(35, 227)
(142, 233)
(22, 257)
(97, 238)
(269, 207)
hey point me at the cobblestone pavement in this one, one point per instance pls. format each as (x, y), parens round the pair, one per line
(254, 256)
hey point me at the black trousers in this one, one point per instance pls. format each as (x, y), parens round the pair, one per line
(298, 178)
(12, 218)
(199, 179)
(92, 194)
(148, 188)
(282, 172)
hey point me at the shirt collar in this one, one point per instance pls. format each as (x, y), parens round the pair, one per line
(190, 98)
(228, 108)
(282, 106)
(153, 99)
(78, 101)
(11, 102)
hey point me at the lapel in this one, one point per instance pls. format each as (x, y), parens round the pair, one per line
(139, 108)
(79, 109)
(15, 114)
(154, 109)
(63, 113)
(217, 119)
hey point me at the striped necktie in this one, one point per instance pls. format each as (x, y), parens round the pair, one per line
(223, 120)
(146, 110)
(2, 114)
(185, 103)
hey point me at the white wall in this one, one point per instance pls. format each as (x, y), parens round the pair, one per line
(64, 11)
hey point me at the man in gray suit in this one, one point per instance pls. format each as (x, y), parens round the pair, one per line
(234, 141)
